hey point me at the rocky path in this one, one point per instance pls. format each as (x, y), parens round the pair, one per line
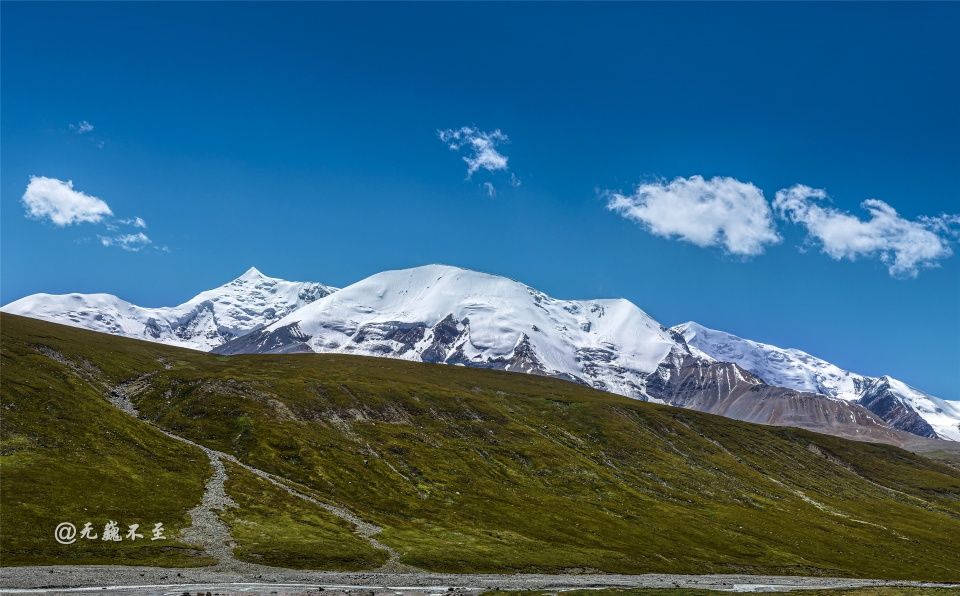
(206, 529)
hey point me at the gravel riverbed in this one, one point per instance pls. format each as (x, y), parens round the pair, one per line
(175, 582)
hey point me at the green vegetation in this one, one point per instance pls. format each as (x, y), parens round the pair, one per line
(466, 470)
(275, 528)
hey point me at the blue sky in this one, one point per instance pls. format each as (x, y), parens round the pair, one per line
(303, 139)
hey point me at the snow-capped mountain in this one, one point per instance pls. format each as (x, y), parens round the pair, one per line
(900, 405)
(211, 318)
(445, 314)
(455, 316)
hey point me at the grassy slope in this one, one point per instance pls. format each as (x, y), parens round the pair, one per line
(472, 470)
(274, 528)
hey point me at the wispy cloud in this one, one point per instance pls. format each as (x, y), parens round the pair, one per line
(491, 189)
(136, 222)
(82, 127)
(720, 211)
(59, 202)
(480, 147)
(128, 242)
(905, 246)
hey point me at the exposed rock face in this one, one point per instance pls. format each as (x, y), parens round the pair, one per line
(726, 389)
(444, 339)
(881, 399)
(288, 339)
(899, 405)
(404, 335)
(524, 359)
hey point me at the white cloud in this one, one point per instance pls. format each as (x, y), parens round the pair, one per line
(720, 211)
(136, 222)
(59, 202)
(56, 200)
(129, 242)
(905, 246)
(491, 189)
(480, 147)
(82, 127)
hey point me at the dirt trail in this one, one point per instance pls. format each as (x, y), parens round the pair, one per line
(206, 528)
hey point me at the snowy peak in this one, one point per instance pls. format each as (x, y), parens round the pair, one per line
(209, 319)
(254, 300)
(439, 313)
(251, 274)
(900, 405)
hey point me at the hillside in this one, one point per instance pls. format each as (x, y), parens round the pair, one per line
(348, 462)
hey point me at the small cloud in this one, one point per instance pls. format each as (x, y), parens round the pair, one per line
(82, 127)
(56, 200)
(903, 245)
(479, 146)
(128, 242)
(136, 222)
(491, 189)
(514, 180)
(720, 211)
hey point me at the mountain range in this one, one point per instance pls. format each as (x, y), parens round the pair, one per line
(204, 322)
(449, 315)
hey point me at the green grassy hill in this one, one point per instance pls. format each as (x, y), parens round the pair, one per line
(463, 469)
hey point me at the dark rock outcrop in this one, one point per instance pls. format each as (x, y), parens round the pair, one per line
(288, 339)
(883, 401)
